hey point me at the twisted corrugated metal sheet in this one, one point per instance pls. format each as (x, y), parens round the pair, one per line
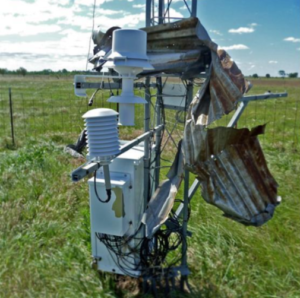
(233, 173)
(228, 162)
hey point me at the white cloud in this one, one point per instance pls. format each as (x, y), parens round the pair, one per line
(105, 21)
(273, 62)
(143, 6)
(87, 2)
(109, 12)
(71, 43)
(235, 47)
(69, 53)
(292, 39)
(127, 21)
(242, 30)
(34, 62)
(298, 49)
(216, 32)
(67, 48)
(60, 2)
(26, 19)
(174, 13)
(25, 29)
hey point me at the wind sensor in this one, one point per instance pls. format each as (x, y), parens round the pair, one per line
(128, 58)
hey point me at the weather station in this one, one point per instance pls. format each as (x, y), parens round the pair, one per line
(138, 219)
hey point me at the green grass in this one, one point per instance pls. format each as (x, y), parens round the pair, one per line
(47, 106)
(44, 217)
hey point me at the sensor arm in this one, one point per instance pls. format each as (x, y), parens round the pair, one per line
(92, 165)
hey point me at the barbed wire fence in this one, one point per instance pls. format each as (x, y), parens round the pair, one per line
(58, 117)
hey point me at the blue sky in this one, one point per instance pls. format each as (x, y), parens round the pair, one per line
(262, 36)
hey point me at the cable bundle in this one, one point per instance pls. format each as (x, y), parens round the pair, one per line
(147, 257)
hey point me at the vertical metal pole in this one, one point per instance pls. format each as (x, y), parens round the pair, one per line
(189, 98)
(189, 92)
(152, 14)
(146, 128)
(184, 225)
(148, 13)
(146, 142)
(161, 10)
(194, 8)
(158, 133)
(11, 118)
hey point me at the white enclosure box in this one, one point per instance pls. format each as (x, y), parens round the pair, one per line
(122, 214)
(174, 95)
(110, 218)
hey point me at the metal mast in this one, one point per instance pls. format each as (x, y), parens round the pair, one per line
(159, 11)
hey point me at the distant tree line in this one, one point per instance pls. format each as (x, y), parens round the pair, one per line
(23, 71)
(281, 73)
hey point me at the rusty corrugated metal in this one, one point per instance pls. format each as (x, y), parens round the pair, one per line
(162, 201)
(224, 86)
(233, 173)
(196, 53)
(177, 49)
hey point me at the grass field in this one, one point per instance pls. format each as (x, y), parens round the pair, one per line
(44, 217)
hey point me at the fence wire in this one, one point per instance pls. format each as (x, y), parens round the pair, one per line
(58, 116)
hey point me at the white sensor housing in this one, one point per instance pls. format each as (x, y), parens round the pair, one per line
(128, 58)
(102, 134)
(129, 52)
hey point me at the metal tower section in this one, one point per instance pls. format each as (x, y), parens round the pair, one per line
(159, 11)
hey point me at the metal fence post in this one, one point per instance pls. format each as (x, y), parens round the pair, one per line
(11, 117)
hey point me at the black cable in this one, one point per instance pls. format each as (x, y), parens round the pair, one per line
(148, 256)
(111, 93)
(92, 97)
(125, 261)
(108, 191)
